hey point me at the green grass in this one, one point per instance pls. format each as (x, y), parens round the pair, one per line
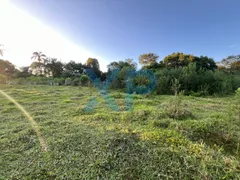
(144, 143)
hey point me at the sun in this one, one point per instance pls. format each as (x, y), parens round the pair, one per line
(22, 34)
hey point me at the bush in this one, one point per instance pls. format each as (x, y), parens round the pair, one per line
(161, 123)
(68, 81)
(84, 80)
(76, 82)
(19, 81)
(59, 81)
(175, 109)
(3, 79)
(37, 80)
(238, 102)
(197, 81)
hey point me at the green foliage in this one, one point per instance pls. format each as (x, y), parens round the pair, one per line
(55, 67)
(38, 80)
(205, 63)
(175, 108)
(238, 92)
(235, 65)
(128, 63)
(161, 123)
(141, 80)
(72, 69)
(68, 81)
(204, 82)
(76, 81)
(148, 59)
(59, 81)
(39, 57)
(154, 66)
(84, 80)
(3, 79)
(178, 59)
(93, 64)
(7, 68)
(22, 73)
(21, 81)
(104, 144)
(120, 78)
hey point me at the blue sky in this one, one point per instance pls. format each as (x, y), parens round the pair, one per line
(120, 29)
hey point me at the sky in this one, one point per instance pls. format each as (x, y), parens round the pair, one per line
(113, 30)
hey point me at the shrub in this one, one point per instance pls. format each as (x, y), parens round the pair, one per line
(19, 81)
(3, 79)
(68, 81)
(76, 82)
(175, 109)
(193, 80)
(84, 80)
(58, 81)
(161, 123)
(38, 80)
(238, 102)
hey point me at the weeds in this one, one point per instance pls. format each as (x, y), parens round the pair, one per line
(143, 143)
(175, 108)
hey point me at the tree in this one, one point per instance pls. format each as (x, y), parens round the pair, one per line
(37, 68)
(148, 59)
(205, 63)
(121, 64)
(23, 72)
(1, 50)
(55, 67)
(226, 62)
(178, 59)
(7, 68)
(84, 80)
(154, 66)
(131, 63)
(72, 69)
(92, 64)
(40, 57)
(235, 65)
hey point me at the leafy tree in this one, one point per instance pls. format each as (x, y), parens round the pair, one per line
(121, 64)
(93, 64)
(37, 68)
(148, 59)
(23, 72)
(3, 79)
(39, 57)
(55, 67)
(154, 66)
(103, 76)
(235, 65)
(122, 67)
(226, 62)
(131, 63)
(72, 69)
(204, 62)
(178, 59)
(84, 80)
(7, 68)
(181, 59)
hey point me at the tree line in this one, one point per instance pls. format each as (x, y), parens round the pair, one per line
(197, 75)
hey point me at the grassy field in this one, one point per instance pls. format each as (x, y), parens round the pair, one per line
(143, 143)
